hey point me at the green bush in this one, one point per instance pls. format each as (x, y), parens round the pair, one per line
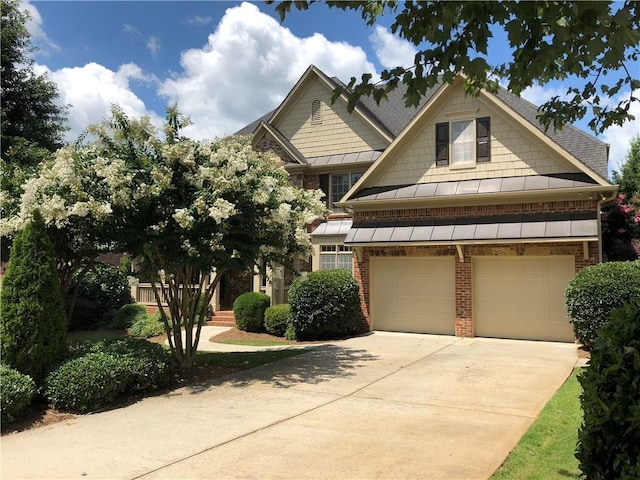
(249, 311)
(609, 439)
(325, 304)
(98, 372)
(597, 290)
(33, 331)
(101, 292)
(146, 326)
(127, 315)
(276, 319)
(17, 391)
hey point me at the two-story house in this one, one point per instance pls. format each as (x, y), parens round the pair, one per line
(459, 217)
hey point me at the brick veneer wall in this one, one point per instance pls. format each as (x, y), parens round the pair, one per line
(463, 274)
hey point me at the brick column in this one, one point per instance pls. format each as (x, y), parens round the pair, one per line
(464, 323)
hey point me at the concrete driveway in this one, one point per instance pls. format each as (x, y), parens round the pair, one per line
(382, 406)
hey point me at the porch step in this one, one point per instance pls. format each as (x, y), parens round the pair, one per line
(223, 318)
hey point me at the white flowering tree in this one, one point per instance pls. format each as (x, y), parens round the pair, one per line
(185, 208)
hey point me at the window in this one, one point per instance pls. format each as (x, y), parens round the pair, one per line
(316, 114)
(336, 185)
(336, 256)
(464, 142)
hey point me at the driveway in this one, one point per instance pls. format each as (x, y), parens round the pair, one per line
(381, 406)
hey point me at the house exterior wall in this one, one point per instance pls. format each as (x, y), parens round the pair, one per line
(512, 152)
(339, 132)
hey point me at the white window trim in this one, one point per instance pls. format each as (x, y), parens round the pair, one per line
(465, 165)
(351, 184)
(339, 250)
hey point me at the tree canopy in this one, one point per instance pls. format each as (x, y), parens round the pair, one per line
(629, 175)
(590, 41)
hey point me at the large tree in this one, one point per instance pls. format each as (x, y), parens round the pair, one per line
(629, 175)
(549, 40)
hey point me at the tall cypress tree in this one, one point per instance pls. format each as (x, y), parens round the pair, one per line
(33, 328)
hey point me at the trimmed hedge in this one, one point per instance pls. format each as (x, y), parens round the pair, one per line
(596, 291)
(98, 372)
(609, 439)
(249, 310)
(277, 318)
(17, 392)
(324, 305)
(127, 315)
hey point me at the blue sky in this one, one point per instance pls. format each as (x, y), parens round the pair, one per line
(224, 63)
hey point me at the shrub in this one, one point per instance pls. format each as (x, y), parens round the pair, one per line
(127, 315)
(17, 392)
(146, 326)
(609, 439)
(324, 305)
(249, 311)
(597, 290)
(99, 372)
(33, 331)
(276, 319)
(101, 292)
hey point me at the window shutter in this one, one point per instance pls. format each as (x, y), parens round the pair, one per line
(324, 186)
(483, 142)
(442, 144)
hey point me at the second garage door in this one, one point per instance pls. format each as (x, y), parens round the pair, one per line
(413, 294)
(522, 297)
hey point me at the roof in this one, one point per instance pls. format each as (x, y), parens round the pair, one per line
(393, 116)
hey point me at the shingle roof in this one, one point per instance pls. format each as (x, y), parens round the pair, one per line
(392, 115)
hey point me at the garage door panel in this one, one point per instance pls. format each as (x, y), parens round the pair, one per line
(522, 297)
(414, 294)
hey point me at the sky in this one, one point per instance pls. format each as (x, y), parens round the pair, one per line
(224, 63)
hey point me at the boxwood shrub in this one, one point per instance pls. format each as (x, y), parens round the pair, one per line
(17, 391)
(597, 290)
(277, 318)
(609, 439)
(98, 372)
(325, 304)
(127, 315)
(249, 310)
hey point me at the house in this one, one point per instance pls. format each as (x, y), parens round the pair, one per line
(458, 217)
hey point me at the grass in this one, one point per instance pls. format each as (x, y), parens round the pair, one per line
(546, 451)
(254, 343)
(243, 360)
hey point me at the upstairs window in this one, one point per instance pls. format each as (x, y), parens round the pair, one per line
(336, 185)
(316, 113)
(463, 143)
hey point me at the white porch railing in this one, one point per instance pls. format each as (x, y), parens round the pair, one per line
(143, 293)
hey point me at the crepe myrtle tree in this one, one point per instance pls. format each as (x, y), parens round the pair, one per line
(188, 208)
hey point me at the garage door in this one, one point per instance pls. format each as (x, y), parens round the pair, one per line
(522, 297)
(413, 294)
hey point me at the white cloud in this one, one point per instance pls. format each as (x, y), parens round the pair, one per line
(392, 51)
(620, 138)
(34, 27)
(247, 67)
(90, 91)
(153, 45)
(198, 20)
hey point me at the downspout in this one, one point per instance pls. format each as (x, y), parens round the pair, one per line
(602, 200)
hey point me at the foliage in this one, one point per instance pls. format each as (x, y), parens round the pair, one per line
(249, 310)
(127, 315)
(146, 326)
(591, 42)
(277, 318)
(620, 225)
(106, 289)
(98, 372)
(597, 290)
(325, 304)
(33, 328)
(629, 175)
(609, 439)
(17, 392)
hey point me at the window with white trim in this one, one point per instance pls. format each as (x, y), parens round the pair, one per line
(336, 185)
(463, 142)
(336, 256)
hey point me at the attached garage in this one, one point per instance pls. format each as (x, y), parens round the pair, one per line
(413, 294)
(522, 297)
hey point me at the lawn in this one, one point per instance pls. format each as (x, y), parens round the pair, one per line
(546, 451)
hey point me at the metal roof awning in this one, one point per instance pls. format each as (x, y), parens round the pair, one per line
(333, 227)
(344, 158)
(574, 226)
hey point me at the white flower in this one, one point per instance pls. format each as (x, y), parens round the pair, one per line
(221, 210)
(132, 281)
(183, 218)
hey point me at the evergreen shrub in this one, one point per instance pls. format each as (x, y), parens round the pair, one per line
(249, 309)
(17, 390)
(276, 319)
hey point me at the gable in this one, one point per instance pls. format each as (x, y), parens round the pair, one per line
(514, 152)
(332, 131)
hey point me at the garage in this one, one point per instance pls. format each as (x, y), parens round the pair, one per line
(522, 297)
(413, 294)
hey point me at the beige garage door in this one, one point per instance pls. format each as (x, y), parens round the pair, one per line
(522, 297)
(413, 294)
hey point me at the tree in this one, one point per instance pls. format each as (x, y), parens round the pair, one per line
(549, 41)
(33, 328)
(629, 175)
(187, 209)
